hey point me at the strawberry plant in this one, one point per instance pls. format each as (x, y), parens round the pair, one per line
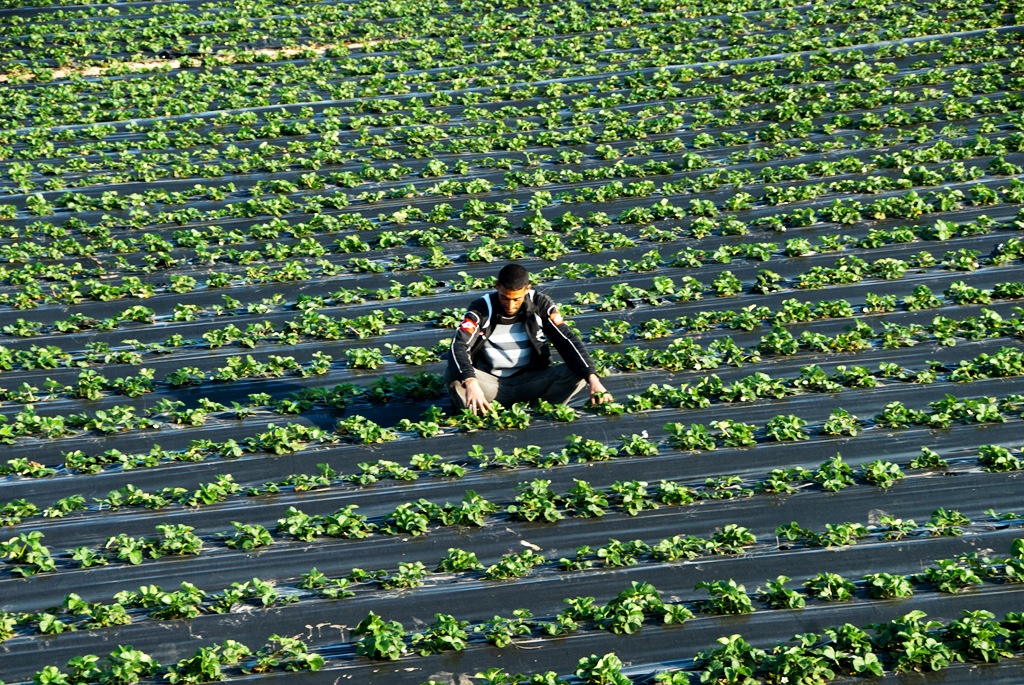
(887, 585)
(786, 428)
(883, 474)
(412, 518)
(947, 522)
(830, 587)
(289, 653)
(459, 561)
(726, 597)
(978, 637)
(834, 474)
(617, 554)
(734, 661)
(500, 632)
(914, 643)
(409, 575)
(535, 501)
(949, 575)
(604, 670)
(127, 665)
(205, 665)
(996, 458)
(28, 554)
(692, 437)
(780, 597)
(445, 633)
(248, 537)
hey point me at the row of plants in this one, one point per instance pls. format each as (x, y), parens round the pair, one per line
(626, 614)
(287, 80)
(833, 475)
(681, 353)
(77, 287)
(573, 165)
(1007, 362)
(750, 76)
(97, 239)
(906, 644)
(205, 494)
(535, 501)
(823, 69)
(125, 664)
(664, 289)
(847, 269)
(640, 603)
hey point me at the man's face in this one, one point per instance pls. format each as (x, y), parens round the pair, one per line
(511, 300)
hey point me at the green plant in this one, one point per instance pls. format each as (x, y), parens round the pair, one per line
(998, 459)
(514, 565)
(978, 637)
(928, 459)
(205, 665)
(895, 528)
(632, 496)
(733, 661)
(584, 501)
(604, 670)
(834, 474)
(693, 437)
(883, 474)
(248, 536)
(780, 597)
(638, 445)
(735, 433)
(947, 522)
(887, 585)
(289, 653)
(28, 554)
(950, 575)
(381, 639)
(841, 422)
(501, 631)
(617, 554)
(410, 574)
(830, 586)
(535, 501)
(412, 518)
(459, 561)
(915, 645)
(786, 428)
(445, 633)
(726, 597)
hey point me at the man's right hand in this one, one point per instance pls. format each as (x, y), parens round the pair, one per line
(475, 400)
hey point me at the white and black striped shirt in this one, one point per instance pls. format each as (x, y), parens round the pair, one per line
(507, 348)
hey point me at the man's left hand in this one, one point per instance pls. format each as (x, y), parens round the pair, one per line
(598, 393)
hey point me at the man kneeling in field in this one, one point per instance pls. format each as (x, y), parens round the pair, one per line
(501, 351)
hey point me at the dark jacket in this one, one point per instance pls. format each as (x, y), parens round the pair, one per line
(543, 323)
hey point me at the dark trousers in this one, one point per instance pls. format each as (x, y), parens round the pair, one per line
(556, 384)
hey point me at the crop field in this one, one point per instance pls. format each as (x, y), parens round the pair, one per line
(236, 239)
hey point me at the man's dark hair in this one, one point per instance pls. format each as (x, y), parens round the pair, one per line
(513, 277)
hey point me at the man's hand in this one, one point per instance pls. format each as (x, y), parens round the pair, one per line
(598, 394)
(475, 400)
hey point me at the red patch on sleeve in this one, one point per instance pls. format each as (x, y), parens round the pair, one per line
(556, 318)
(468, 325)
